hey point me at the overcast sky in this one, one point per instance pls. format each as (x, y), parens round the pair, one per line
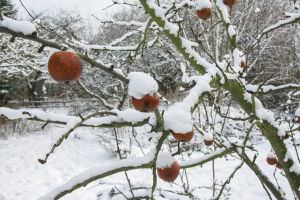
(84, 7)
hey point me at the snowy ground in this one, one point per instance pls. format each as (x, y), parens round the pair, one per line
(23, 178)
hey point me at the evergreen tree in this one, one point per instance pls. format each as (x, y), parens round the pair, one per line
(7, 8)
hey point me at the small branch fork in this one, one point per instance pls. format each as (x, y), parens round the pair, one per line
(67, 134)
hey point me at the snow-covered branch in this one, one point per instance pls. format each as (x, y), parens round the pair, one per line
(99, 172)
(271, 88)
(291, 18)
(115, 118)
(206, 158)
(20, 27)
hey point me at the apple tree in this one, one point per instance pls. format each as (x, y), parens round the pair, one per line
(214, 68)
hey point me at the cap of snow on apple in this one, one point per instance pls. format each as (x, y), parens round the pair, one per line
(272, 158)
(203, 8)
(167, 167)
(208, 139)
(143, 91)
(179, 121)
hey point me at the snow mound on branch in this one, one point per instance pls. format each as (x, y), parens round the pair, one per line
(231, 30)
(200, 4)
(178, 119)
(25, 27)
(165, 160)
(131, 115)
(141, 84)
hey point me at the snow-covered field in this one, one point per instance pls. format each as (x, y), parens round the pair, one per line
(23, 178)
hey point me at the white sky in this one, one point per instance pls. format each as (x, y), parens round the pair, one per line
(84, 7)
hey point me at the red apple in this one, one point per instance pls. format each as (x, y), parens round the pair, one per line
(204, 13)
(272, 160)
(147, 103)
(64, 66)
(184, 137)
(229, 2)
(208, 142)
(243, 64)
(169, 174)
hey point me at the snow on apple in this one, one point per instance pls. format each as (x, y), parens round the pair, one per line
(208, 138)
(167, 167)
(200, 4)
(141, 84)
(178, 119)
(165, 159)
(203, 8)
(271, 158)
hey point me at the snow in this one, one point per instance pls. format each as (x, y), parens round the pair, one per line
(122, 116)
(164, 160)
(257, 10)
(231, 30)
(141, 84)
(291, 17)
(172, 28)
(24, 178)
(224, 10)
(297, 112)
(238, 57)
(200, 159)
(208, 136)
(132, 115)
(178, 119)
(25, 27)
(200, 4)
(272, 155)
(209, 68)
(202, 85)
(295, 168)
(269, 88)
(96, 171)
(263, 114)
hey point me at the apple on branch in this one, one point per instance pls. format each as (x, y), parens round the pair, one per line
(143, 90)
(167, 167)
(64, 66)
(178, 119)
